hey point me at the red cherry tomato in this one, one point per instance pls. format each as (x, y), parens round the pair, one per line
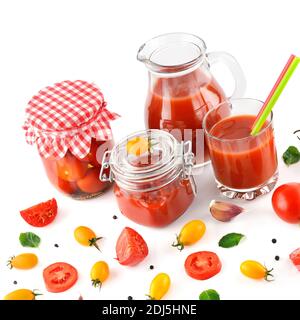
(295, 257)
(91, 183)
(286, 202)
(41, 214)
(59, 277)
(131, 248)
(69, 168)
(202, 265)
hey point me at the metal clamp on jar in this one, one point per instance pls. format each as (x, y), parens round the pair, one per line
(153, 174)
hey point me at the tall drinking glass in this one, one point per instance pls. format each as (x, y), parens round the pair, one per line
(245, 166)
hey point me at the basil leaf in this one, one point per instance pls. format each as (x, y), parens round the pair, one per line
(230, 240)
(209, 294)
(291, 155)
(29, 239)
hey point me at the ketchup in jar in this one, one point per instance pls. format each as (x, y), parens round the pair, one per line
(69, 123)
(153, 180)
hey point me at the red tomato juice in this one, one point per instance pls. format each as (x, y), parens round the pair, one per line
(242, 161)
(181, 103)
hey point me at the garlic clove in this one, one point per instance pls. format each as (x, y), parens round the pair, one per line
(224, 211)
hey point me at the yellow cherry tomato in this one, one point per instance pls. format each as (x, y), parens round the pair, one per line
(159, 286)
(22, 294)
(190, 233)
(23, 261)
(86, 236)
(138, 146)
(99, 273)
(255, 270)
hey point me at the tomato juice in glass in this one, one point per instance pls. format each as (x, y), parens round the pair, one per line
(245, 166)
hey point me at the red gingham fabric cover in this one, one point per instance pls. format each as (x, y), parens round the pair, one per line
(66, 116)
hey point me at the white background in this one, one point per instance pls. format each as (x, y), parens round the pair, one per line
(42, 42)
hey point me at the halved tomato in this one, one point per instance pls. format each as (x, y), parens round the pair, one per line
(295, 257)
(59, 277)
(202, 265)
(71, 169)
(131, 248)
(91, 182)
(41, 214)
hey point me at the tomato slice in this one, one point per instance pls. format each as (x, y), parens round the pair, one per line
(202, 265)
(295, 257)
(131, 248)
(41, 214)
(59, 277)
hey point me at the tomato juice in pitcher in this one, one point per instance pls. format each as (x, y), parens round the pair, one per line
(181, 87)
(181, 103)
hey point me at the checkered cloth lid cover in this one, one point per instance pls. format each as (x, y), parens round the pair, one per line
(66, 116)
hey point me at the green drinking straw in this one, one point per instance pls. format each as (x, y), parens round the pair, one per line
(275, 94)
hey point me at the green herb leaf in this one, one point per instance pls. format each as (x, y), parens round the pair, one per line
(209, 294)
(29, 239)
(291, 155)
(231, 240)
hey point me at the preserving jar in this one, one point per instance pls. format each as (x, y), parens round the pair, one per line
(70, 125)
(153, 177)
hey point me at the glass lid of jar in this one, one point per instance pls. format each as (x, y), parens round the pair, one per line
(146, 154)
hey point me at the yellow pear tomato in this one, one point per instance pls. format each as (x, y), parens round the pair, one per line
(99, 273)
(159, 286)
(190, 233)
(86, 237)
(23, 261)
(255, 270)
(21, 294)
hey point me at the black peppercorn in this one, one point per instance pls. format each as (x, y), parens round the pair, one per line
(56, 245)
(130, 298)
(277, 258)
(151, 267)
(115, 217)
(274, 240)
(15, 282)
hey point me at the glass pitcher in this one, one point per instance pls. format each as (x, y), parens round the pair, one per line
(181, 87)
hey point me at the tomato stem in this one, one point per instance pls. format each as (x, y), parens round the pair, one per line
(269, 274)
(93, 242)
(35, 293)
(96, 283)
(179, 245)
(9, 262)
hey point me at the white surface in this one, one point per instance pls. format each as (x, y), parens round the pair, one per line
(47, 41)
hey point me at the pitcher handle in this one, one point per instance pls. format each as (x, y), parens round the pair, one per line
(235, 69)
